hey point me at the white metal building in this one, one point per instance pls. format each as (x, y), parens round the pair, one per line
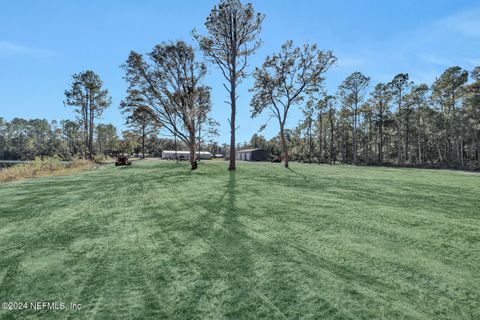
(168, 154)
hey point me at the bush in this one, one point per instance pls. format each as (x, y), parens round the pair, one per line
(40, 164)
(78, 163)
(42, 167)
(101, 158)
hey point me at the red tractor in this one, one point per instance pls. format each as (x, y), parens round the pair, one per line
(122, 161)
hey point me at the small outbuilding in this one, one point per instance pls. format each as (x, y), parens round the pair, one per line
(253, 155)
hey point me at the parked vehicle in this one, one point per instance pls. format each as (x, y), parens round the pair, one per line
(122, 161)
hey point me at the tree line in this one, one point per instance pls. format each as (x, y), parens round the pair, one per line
(22, 139)
(398, 123)
(395, 123)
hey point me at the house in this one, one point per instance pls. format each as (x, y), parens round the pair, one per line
(204, 155)
(253, 155)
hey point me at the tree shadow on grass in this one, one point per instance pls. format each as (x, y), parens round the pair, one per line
(297, 173)
(225, 286)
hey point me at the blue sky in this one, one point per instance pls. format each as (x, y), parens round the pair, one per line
(42, 43)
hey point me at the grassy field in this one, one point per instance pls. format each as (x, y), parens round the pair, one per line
(157, 241)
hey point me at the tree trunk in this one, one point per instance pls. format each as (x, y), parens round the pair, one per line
(462, 162)
(399, 127)
(143, 142)
(320, 138)
(439, 153)
(369, 135)
(284, 146)
(365, 141)
(176, 147)
(477, 152)
(199, 140)
(419, 146)
(407, 138)
(310, 140)
(193, 157)
(232, 165)
(380, 147)
(86, 125)
(233, 97)
(447, 137)
(325, 146)
(354, 138)
(332, 158)
(90, 144)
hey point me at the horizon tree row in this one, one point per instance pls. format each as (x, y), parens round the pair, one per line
(22, 139)
(397, 123)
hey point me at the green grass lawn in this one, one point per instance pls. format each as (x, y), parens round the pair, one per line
(157, 241)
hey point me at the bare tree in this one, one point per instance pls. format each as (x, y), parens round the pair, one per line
(285, 78)
(232, 37)
(170, 87)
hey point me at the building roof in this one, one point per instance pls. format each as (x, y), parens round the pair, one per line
(250, 150)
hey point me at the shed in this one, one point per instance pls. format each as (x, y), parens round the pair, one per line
(253, 155)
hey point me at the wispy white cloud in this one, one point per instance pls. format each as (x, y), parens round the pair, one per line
(9, 48)
(465, 22)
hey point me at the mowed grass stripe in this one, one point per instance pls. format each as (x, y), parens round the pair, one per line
(158, 241)
(306, 252)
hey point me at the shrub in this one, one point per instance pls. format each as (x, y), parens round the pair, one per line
(101, 158)
(42, 167)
